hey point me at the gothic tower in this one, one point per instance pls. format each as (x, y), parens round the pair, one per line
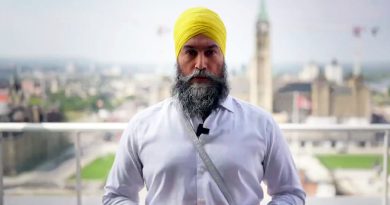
(261, 72)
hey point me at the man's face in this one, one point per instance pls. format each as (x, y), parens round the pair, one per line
(201, 77)
(202, 53)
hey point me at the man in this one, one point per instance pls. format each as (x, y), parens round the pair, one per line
(244, 143)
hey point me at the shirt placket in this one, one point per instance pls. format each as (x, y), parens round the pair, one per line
(200, 167)
(200, 172)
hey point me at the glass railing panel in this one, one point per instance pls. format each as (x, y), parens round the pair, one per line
(339, 164)
(336, 167)
(40, 166)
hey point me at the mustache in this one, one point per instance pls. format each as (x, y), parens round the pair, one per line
(201, 74)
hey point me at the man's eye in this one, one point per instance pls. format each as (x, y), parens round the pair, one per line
(209, 52)
(191, 52)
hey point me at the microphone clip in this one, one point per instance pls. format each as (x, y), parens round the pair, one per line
(201, 130)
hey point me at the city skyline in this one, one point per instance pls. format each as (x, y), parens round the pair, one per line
(137, 32)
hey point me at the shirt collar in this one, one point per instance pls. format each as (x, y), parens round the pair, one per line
(228, 103)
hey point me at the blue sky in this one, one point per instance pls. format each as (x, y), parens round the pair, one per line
(126, 31)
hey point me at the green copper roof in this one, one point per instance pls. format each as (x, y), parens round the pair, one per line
(263, 15)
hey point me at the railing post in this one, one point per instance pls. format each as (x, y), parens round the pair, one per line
(78, 168)
(385, 169)
(1, 170)
(347, 142)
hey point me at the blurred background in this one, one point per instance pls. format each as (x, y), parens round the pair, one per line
(312, 62)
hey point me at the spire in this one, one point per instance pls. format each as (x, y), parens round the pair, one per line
(263, 15)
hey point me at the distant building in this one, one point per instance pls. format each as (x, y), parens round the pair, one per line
(4, 100)
(114, 71)
(321, 97)
(150, 89)
(239, 86)
(309, 72)
(164, 88)
(261, 71)
(291, 99)
(349, 101)
(334, 73)
(346, 103)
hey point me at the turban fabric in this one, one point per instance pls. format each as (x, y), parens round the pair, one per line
(199, 20)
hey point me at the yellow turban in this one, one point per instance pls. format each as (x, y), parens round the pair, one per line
(199, 20)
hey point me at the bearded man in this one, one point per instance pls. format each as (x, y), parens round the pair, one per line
(202, 146)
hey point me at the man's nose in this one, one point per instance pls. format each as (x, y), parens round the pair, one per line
(201, 62)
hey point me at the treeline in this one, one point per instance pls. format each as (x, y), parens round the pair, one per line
(77, 103)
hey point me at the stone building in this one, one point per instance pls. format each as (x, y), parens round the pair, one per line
(324, 99)
(352, 100)
(261, 72)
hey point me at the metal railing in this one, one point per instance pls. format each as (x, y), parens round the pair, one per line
(78, 128)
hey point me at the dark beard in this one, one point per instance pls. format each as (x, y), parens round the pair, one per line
(199, 99)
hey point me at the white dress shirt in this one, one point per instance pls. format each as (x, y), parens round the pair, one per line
(244, 143)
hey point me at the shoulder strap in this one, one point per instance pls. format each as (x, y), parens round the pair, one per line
(207, 161)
